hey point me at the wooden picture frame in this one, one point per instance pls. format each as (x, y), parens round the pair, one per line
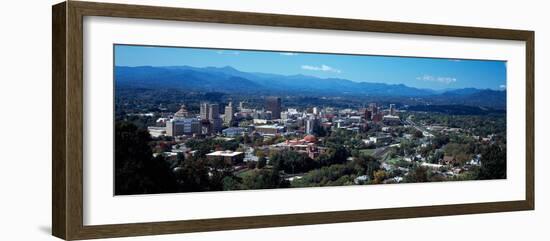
(67, 152)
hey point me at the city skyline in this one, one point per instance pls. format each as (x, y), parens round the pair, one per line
(425, 73)
(189, 124)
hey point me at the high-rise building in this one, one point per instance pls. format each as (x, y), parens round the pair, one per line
(241, 106)
(213, 111)
(206, 127)
(273, 104)
(373, 108)
(228, 114)
(368, 114)
(392, 109)
(204, 110)
(216, 125)
(377, 117)
(315, 111)
(214, 117)
(310, 125)
(210, 118)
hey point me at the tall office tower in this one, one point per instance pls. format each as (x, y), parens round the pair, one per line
(241, 106)
(214, 117)
(368, 114)
(373, 108)
(273, 104)
(310, 125)
(216, 125)
(392, 109)
(228, 114)
(315, 111)
(377, 117)
(213, 111)
(204, 110)
(206, 127)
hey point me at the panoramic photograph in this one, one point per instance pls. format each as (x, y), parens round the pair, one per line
(201, 119)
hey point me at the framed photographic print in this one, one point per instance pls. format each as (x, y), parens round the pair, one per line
(171, 120)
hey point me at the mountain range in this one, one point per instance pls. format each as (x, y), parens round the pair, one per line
(230, 80)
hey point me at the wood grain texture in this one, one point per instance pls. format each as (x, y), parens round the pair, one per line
(530, 120)
(122, 230)
(279, 20)
(67, 81)
(59, 193)
(74, 121)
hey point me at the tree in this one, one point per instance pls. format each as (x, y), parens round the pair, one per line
(461, 152)
(419, 174)
(319, 131)
(379, 177)
(292, 161)
(231, 183)
(340, 155)
(180, 158)
(493, 163)
(367, 164)
(440, 140)
(334, 175)
(261, 162)
(136, 171)
(259, 152)
(406, 148)
(193, 176)
(246, 139)
(264, 179)
(251, 164)
(438, 155)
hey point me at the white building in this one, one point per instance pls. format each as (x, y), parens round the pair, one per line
(155, 131)
(229, 113)
(270, 130)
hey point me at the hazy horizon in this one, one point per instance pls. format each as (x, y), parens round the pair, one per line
(417, 72)
(290, 75)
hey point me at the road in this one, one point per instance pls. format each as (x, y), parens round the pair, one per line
(419, 128)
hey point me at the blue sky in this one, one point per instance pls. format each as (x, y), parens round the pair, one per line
(429, 73)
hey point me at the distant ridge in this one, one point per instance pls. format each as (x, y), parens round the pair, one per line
(230, 80)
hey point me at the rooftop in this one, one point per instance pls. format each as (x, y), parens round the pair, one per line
(225, 153)
(270, 127)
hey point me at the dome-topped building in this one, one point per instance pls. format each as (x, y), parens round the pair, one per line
(310, 138)
(183, 123)
(181, 113)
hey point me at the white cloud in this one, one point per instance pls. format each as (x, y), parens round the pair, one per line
(324, 68)
(288, 54)
(228, 52)
(439, 79)
(502, 86)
